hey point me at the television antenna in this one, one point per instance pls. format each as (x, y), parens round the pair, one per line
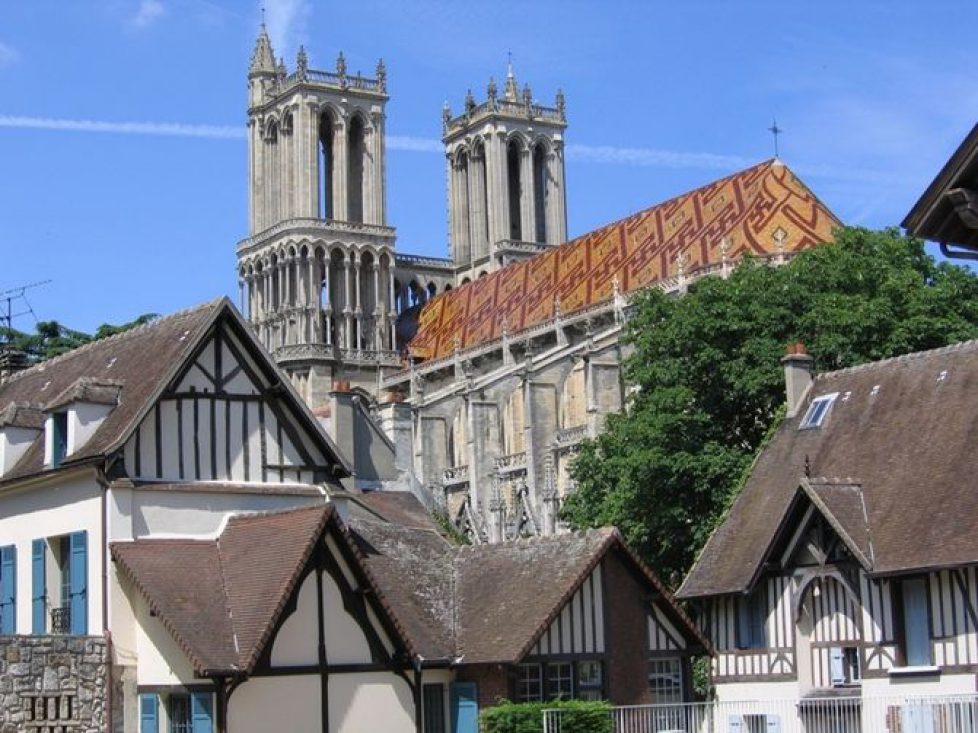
(13, 304)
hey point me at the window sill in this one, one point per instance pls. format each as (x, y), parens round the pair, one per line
(920, 670)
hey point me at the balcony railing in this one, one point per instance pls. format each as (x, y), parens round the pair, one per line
(511, 462)
(455, 475)
(61, 620)
(841, 710)
(571, 436)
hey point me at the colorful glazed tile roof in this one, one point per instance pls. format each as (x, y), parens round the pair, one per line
(746, 210)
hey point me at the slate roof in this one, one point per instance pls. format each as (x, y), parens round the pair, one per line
(898, 450)
(935, 216)
(746, 210)
(128, 370)
(448, 604)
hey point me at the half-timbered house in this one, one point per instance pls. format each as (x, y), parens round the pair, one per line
(173, 519)
(847, 565)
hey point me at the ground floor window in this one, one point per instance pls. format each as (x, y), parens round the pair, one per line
(666, 680)
(529, 685)
(434, 708)
(176, 712)
(573, 679)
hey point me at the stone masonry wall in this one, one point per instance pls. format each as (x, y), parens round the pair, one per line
(53, 684)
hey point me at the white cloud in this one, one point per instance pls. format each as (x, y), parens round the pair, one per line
(286, 21)
(149, 12)
(8, 55)
(172, 129)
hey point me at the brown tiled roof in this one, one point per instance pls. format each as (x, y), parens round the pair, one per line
(748, 211)
(22, 415)
(905, 431)
(221, 598)
(842, 503)
(132, 368)
(487, 603)
(140, 360)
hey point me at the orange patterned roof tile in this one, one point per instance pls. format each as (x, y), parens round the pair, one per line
(746, 209)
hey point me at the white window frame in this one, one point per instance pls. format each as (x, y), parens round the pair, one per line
(817, 411)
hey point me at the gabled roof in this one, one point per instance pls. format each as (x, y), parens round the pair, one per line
(907, 429)
(446, 604)
(744, 213)
(131, 370)
(936, 215)
(220, 599)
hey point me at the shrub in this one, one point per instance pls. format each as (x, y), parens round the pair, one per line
(577, 716)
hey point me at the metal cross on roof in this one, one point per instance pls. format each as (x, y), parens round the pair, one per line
(775, 130)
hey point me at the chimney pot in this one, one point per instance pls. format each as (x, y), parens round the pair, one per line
(799, 373)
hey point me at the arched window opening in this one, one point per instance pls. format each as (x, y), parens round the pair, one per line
(463, 247)
(540, 192)
(513, 177)
(368, 301)
(432, 291)
(448, 287)
(466, 280)
(482, 274)
(355, 150)
(398, 300)
(326, 199)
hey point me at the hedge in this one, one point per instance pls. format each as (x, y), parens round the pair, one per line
(577, 716)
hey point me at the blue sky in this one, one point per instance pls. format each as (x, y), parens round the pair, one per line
(122, 144)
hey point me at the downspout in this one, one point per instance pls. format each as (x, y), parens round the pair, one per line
(106, 629)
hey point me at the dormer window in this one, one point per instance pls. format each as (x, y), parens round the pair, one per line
(59, 438)
(817, 411)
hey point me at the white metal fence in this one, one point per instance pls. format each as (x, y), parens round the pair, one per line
(892, 714)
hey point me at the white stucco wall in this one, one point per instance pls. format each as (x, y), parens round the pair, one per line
(14, 442)
(298, 638)
(83, 420)
(145, 512)
(374, 701)
(937, 684)
(737, 691)
(290, 704)
(159, 660)
(345, 641)
(69, 504)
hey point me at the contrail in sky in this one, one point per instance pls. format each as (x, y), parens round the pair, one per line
(604, 154)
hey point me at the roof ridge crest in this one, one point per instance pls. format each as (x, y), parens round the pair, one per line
(84, 348)
(910, 356)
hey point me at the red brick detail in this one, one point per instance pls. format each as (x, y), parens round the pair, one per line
(491, 681)
(626, 619)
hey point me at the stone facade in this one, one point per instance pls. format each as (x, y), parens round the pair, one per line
(53, 684)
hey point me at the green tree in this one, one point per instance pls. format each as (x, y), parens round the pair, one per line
(51, 339)
(707, 385)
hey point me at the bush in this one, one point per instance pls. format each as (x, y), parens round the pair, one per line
(577, 716)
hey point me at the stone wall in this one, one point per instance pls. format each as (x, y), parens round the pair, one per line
(53, 684)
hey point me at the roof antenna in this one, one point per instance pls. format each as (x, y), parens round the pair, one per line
(775, 131)
(7, 315)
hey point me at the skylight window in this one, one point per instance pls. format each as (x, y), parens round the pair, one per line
(817, 411)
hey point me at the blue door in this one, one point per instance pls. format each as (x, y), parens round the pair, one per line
(465, 708)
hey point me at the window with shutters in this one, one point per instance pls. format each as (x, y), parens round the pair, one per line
(8, 589)
(59, 584)
(176, 712)
(59, 438)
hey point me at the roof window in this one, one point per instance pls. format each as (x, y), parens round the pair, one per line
(817, 411)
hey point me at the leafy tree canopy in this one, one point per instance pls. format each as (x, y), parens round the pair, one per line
(707, 384)
(51, 338)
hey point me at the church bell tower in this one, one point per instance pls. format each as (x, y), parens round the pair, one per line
(317, 268)
(505, 164)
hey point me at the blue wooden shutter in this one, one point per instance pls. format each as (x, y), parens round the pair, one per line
(39, 589)
(8, 590)
(201, 712)
(837, 665)
(148, 713)
(78, 574)
(465, 708)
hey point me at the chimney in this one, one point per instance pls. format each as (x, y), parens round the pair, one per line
(11, 360)
(799, 372)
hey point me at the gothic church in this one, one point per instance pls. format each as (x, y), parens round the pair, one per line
(474, 378)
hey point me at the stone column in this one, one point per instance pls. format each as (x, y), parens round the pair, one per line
(347, 311)
(378, 307)
(558, 202)
(341, 209)
(495, 147)
(328, 310)
(358, 302)
(378, 190)
(477, 203)
(256, 174)
(368, 175)
(527, 199)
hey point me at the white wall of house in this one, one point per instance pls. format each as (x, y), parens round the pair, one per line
(738, 691)
(67, 503)
(372, 701)
(14, 442)
(83, 420)
(159, 661)
(146, 512)
(278, 703)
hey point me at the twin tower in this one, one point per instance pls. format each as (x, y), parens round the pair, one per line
(321, 281)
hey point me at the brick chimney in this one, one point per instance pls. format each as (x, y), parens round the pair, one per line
(11, 360)
(799, 371)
